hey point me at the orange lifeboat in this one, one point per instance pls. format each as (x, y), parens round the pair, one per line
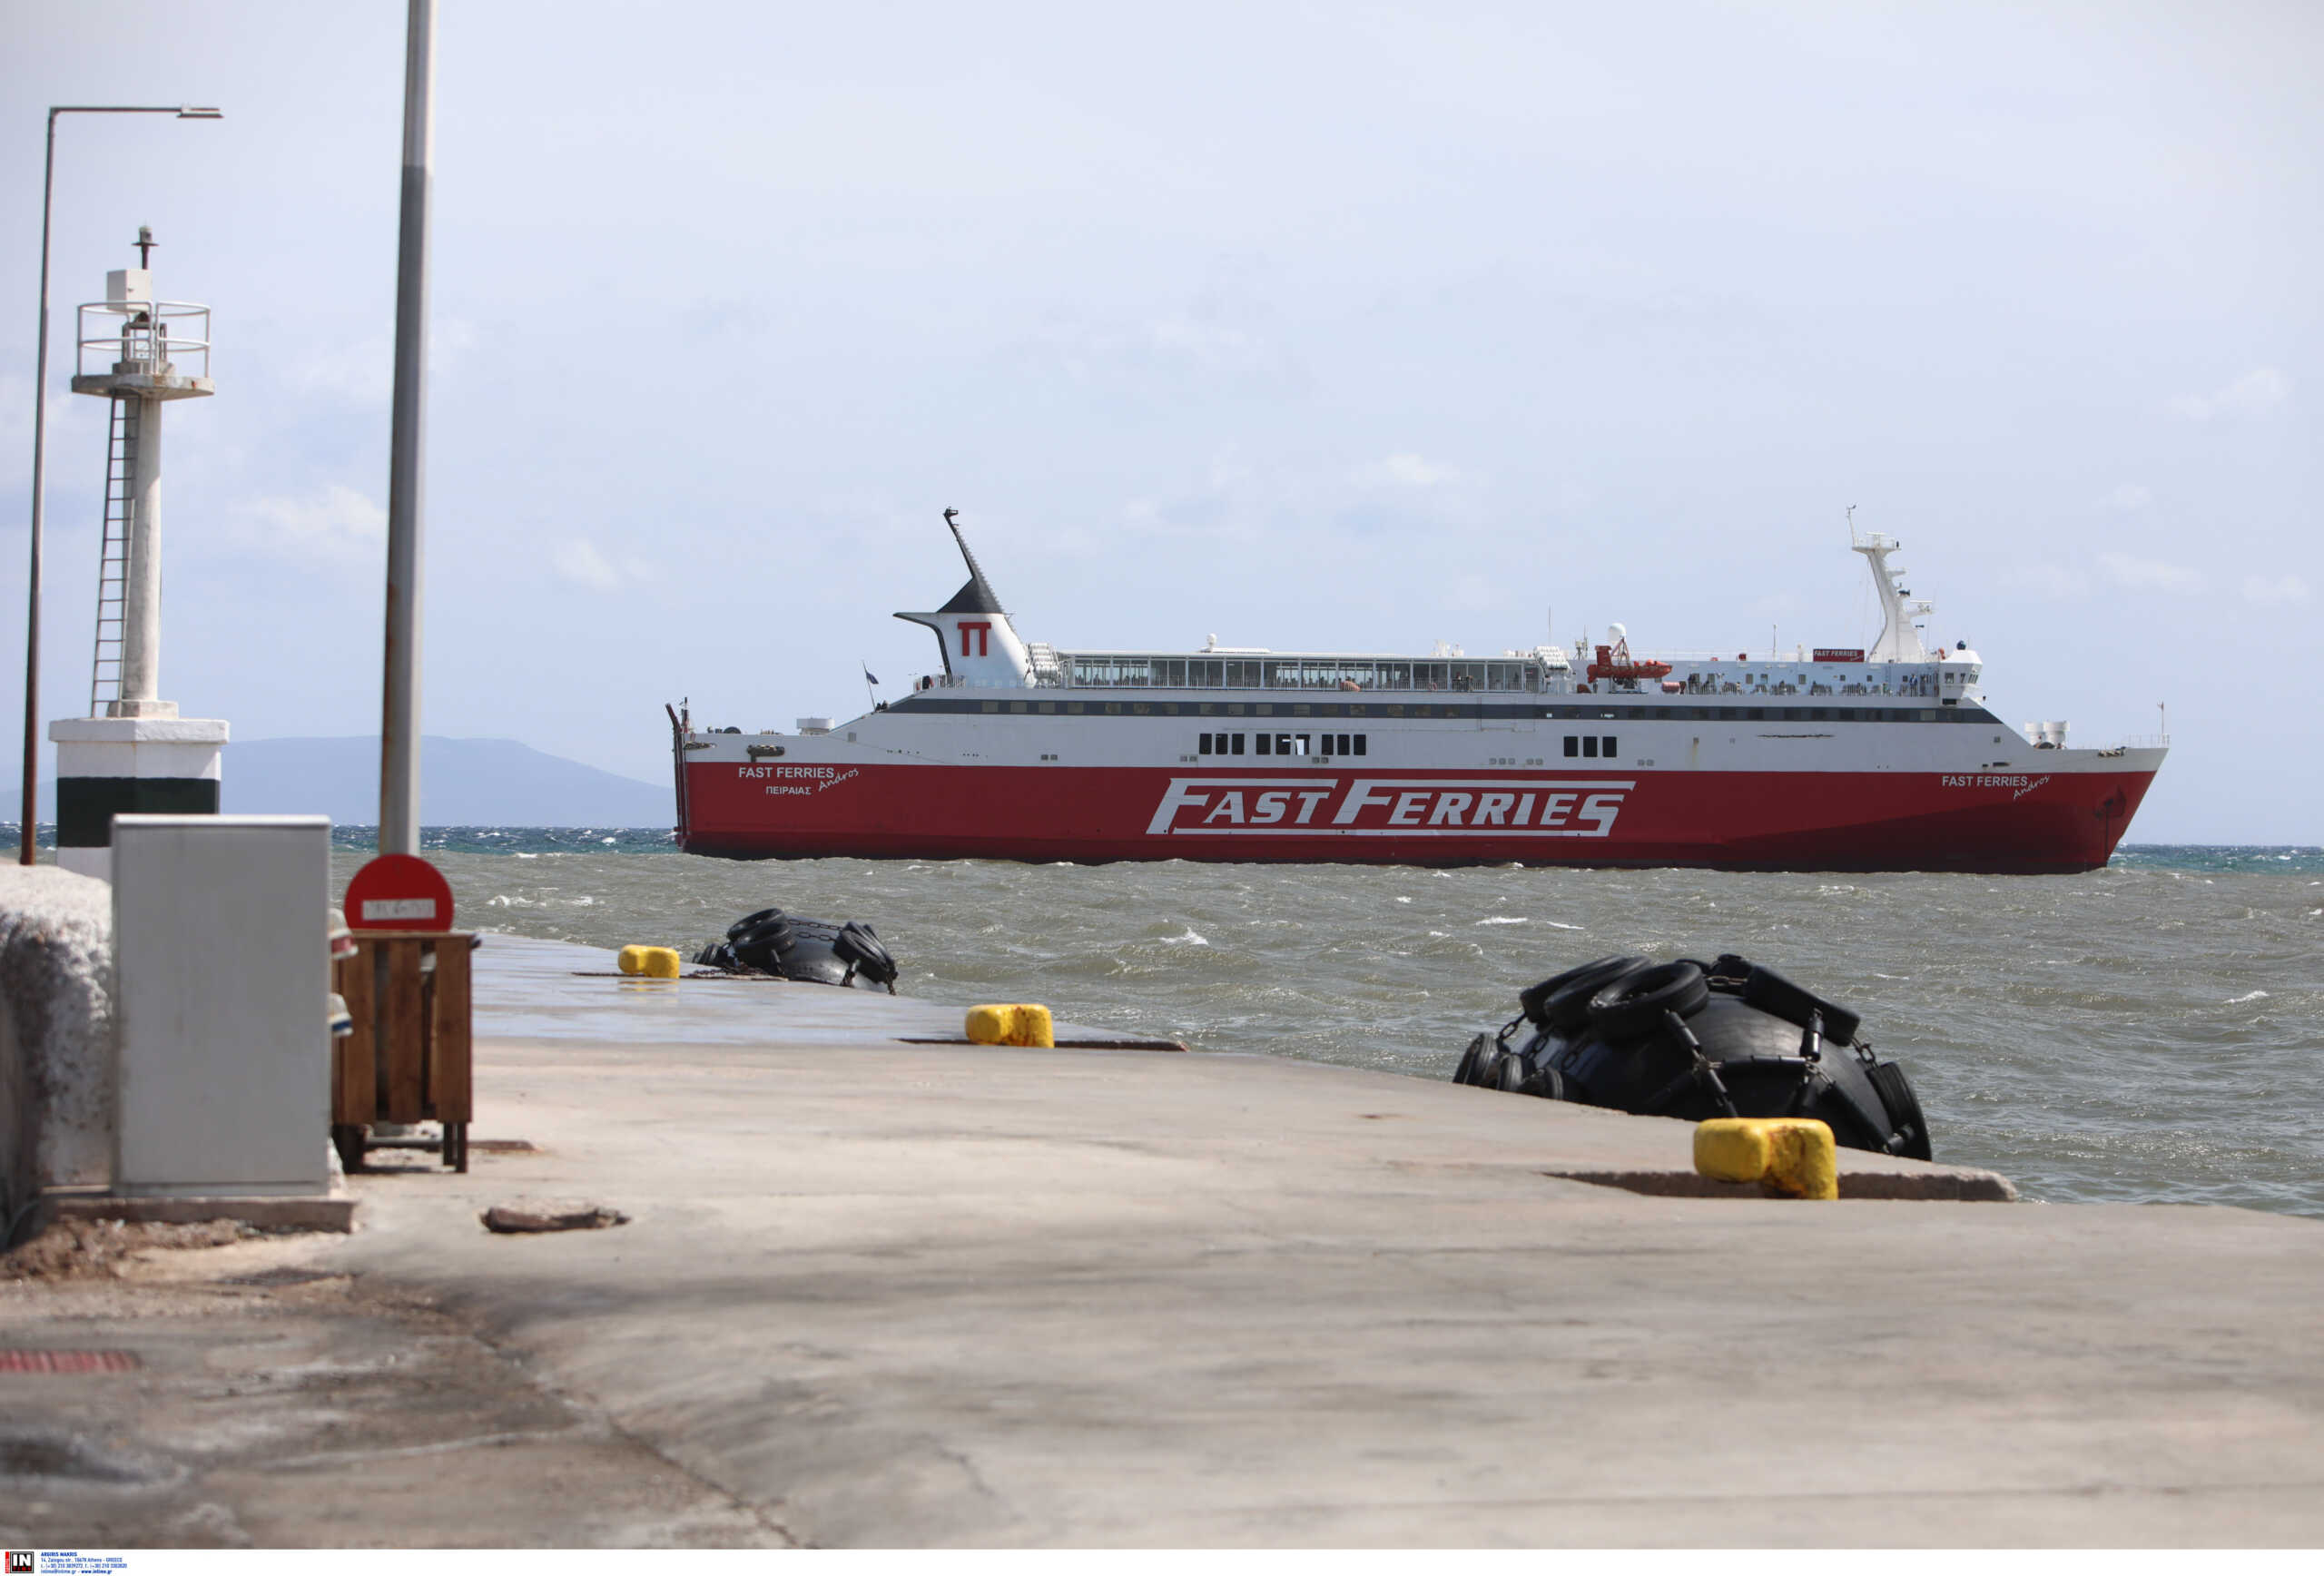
(1614, 662)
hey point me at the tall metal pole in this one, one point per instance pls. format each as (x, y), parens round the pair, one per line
(399, 712)
(28, 816)
(26, 853)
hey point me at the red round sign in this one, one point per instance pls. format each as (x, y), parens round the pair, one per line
(398, 892)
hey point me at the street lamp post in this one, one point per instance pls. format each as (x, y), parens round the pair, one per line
(25, 853)
(400, 669)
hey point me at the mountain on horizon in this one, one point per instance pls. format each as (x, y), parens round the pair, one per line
(463, 782)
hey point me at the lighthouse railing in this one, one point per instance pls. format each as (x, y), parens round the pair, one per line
(155, 338)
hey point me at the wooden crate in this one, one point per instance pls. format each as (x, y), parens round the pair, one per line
(407, 1059)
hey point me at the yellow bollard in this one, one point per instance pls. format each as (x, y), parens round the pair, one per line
(654, 962)
(1018, 1023)
(1791, 1154)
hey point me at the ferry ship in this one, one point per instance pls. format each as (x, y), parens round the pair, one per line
(1884, 758)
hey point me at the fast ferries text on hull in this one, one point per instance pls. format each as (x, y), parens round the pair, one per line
(1880, 759)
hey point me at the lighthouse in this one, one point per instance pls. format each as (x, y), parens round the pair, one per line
(133, 753)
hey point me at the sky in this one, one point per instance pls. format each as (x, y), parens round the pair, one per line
(1343, 327)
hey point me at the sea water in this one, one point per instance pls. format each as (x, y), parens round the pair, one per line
(2152, 1031)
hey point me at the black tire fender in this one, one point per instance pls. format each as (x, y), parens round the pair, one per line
(752, 923)
(1547, 1084)
(1570, 1010)
(1632, 1008)
(1467, 1071)
(1566, 1010)
(763, 947)
(1908, 1128)
(1486, 1074)
(860, 949)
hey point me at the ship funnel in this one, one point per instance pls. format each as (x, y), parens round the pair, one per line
(979, 645)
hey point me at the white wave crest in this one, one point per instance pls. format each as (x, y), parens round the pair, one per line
(2248, 996)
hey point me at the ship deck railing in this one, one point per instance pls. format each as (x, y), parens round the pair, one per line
(1922, 687)
(1753, 660)
(1313, 672)
(1452, 684)
(1912, 687)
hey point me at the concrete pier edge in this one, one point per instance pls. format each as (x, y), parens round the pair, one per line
(887, 1294)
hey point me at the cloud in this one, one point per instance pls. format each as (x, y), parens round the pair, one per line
(2282, 592)
(2128, 495)
(361, 368)
(1475, 594)
(337, 523)
(1407, 470)
(449, 341)
(2050, 582)
(2256, 393)
(2150, 574)
(580, 562)
(1213, 346)
(1167, 355)
(15, 426)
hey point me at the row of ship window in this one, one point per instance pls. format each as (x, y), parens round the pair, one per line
(1585, 746)
(1556, 714)
(1296, 673)
(1281, 743)
(1201, 709)
(1775, 714)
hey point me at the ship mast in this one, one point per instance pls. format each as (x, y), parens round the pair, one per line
(1899, 640)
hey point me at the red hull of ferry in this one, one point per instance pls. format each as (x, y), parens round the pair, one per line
(2010, 824)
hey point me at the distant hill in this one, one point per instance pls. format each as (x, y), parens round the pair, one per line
(463, 782)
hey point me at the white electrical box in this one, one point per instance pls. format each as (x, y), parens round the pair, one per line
(221, 967)
(129, 290)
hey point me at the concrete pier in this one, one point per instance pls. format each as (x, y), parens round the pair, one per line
(886, 1294)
